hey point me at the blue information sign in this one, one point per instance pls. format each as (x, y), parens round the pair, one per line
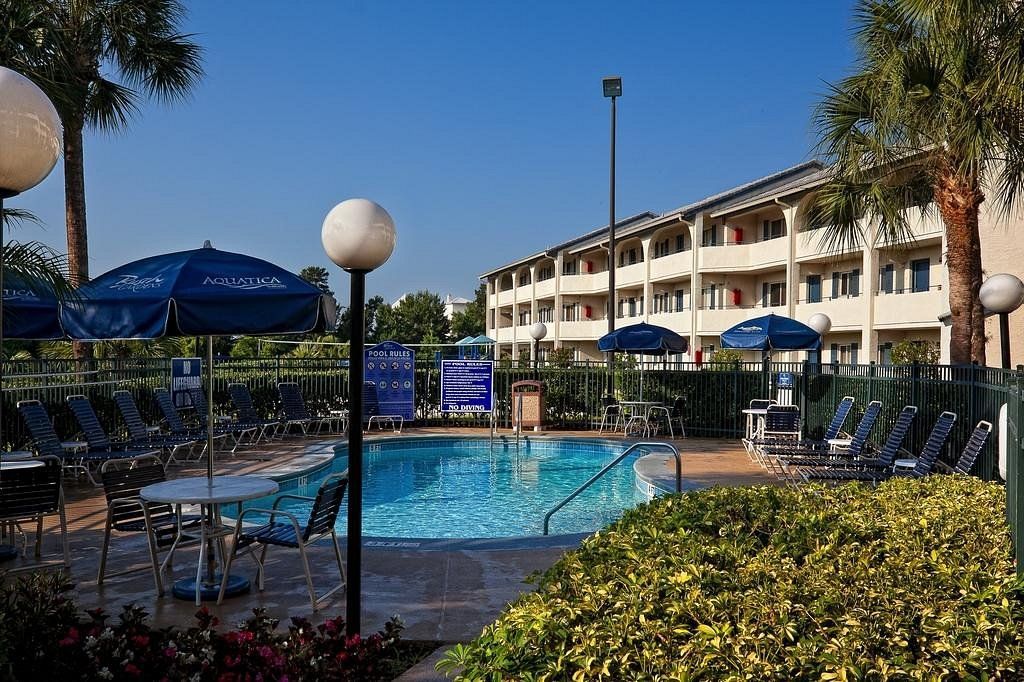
(466, 385)
(784, 380)
(186, 373)
(391, 368)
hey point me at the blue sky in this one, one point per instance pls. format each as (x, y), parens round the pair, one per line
(480, 126)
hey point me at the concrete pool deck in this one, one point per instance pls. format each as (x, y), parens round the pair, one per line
(445, 594)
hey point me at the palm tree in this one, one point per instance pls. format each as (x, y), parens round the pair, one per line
(74, 49)
(932, 119)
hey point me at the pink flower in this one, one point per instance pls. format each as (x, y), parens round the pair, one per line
(131, 669)
(170, 652)
(71, 639)
(140, 640)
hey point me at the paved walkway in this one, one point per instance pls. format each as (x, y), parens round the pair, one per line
(443, 594)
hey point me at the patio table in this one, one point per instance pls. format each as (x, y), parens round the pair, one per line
(751, 412)
(637, 411)
(209, 494)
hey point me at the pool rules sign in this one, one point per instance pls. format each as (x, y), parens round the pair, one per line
(391, 368)
(466, 385)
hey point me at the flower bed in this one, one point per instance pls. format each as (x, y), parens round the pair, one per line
(912, 580)
(43, 636)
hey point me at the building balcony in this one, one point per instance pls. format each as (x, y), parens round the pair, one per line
(923, 228)
(505, 335)
(739, 257)
(679, 322)
(717, 321)
(630, 275)
(524, 293)
(847, 314)
(506, 297)
(544, 288)
(911, 309)
(811, 245)
(672, 265)
(583, 284)
(582, 329)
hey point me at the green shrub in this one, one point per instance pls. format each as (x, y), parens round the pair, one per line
(913, 580)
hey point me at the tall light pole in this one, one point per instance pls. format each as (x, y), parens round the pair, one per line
(30, 141)
(359, 236)
(612, 88)
(821, 323)
(1002, 294)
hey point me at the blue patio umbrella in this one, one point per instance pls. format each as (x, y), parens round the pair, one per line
(771, 332)
(31, 311)
(643, 339)
(202, 292)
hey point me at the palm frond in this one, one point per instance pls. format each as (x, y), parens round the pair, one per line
(17, 217)
(37, 264)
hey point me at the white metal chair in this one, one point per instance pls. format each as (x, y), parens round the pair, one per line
(612, 416)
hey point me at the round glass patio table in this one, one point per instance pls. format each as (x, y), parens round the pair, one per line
(209, 494)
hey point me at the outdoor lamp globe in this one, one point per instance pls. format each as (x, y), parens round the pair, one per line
(538, 331)
(820, 322)
(1002, 293)
(30, 134)
(358, 235)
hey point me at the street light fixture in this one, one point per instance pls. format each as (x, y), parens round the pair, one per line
(1002, 294)
(359, 236)
(821, 323)
(538, 331)
(612, 88)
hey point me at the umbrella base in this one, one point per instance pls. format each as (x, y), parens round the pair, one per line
(186, 588)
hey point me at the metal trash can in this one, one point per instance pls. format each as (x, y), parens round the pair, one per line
(530, 396)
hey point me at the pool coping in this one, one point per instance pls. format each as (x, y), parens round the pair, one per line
(320, 456)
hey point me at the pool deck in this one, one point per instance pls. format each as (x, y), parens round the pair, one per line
(446, 594)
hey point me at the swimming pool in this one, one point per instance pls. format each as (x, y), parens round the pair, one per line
(443, 487)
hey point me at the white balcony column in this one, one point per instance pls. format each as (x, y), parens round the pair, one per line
(533, 294)
(696, 281)
(645, 244)
(868, 288)
(556, 314)
(515, 310)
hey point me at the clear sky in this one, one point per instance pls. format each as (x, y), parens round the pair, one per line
(480, 126)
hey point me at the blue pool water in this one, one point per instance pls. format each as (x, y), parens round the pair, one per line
(467, 488)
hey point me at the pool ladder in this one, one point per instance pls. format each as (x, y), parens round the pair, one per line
(628, 451)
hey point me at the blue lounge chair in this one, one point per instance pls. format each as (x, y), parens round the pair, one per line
(296, 413)
(176, 425)
(847, 469)
(46, 442)
(786, 459)
(241, 434)
(974, 446)
(764, 449)
(240, 396)
(142, 436)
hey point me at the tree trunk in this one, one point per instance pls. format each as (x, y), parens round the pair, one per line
(74, 206)
(959, 200)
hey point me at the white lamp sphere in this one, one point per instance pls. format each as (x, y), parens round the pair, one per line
(358, 234)
(1002, 293)
(30, 133)
(538, 331)
(820, 322)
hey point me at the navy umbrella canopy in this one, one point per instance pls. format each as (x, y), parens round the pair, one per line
(771, 332)
(31, 311)
(643, 338)
(202, 292)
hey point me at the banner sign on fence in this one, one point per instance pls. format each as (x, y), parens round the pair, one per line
(391, 367)
(186, 373)
(467, 385)
(784, 380)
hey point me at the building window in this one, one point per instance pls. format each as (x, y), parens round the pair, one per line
(632, 307)
(773, 294)
(492, 318)
(570, 313)
(846, 284)
(885, 354)
(814, 288)
(680, 243)
(660, 248)
(524, 318)
(545, 272)
(886, 279)
(681, 295)
(545, 315)
(709, 237)
(569, 267)
(524, 278)
(709, 296)
(920, 273)
(773, 229)
(708, 351)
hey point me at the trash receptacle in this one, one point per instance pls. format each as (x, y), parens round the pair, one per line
(529, 394)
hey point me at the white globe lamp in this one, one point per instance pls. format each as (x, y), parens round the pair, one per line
(1002, 294)
(538, 331)
(358, 235)
(820, 322)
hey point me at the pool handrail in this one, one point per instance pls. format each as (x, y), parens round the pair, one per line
(635, 446)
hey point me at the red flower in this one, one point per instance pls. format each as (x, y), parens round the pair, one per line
(140, 641)
(131, 669)
(71, 639)
(170, 652)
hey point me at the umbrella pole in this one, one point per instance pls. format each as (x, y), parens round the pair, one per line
(209, 408)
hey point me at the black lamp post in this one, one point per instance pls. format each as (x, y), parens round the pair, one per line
(1002, 294)
(359, 236)
(612, 88)
(538, 331)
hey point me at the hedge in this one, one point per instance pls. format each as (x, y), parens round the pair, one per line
(911, 580)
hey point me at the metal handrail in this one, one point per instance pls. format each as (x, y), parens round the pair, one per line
(635, 446)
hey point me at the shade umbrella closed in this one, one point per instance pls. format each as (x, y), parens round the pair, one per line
(202, 292)
(643, 339)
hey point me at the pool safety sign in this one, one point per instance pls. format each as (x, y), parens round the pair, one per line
(466, 385)
(186, 373)
(391, 367)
